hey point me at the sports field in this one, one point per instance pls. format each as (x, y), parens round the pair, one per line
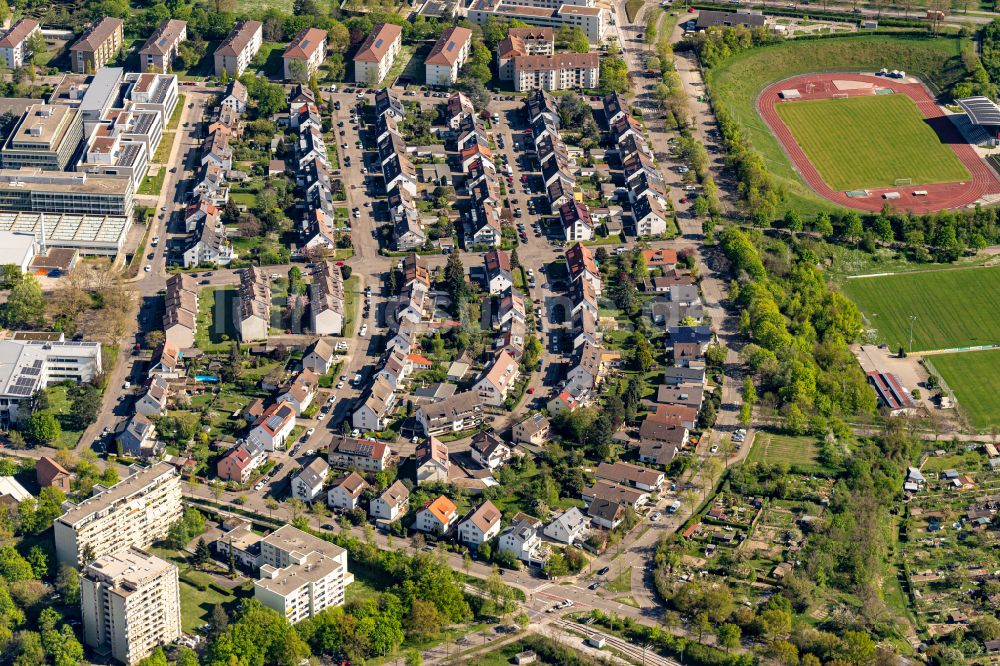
(870, 141)
(954, 308)
(974, 377)
(773, 449)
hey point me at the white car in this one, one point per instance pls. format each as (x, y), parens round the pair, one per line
(260, 484)
(656, 516)
(309, 433)
(714, 449)
(148, 268)
(127, 385)
(309, 452)
(364, 330)
(156, 239)
(355, 433)
(340, 385)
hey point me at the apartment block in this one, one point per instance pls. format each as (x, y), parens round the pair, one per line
(522, 42)
(253, 305)
(300, 574)
(97, 46)
(326, 300)
(159, 51)
(131, 605)
(374, 59)
(14, 45)
(592, 20)
(447, 56)
(308, 48)
(27, 366)
(239, 48)
(47, 137)
(137, 512)
(561, 71)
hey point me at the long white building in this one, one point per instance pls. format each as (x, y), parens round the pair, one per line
(560, 71)
(131, 604)
(137, 512)
(592, 20)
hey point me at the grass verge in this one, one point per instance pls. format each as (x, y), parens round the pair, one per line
(974, 377)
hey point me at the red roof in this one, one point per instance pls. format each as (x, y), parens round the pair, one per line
(662, 257)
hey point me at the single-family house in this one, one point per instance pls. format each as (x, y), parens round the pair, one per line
(345, 494)
(480, 525)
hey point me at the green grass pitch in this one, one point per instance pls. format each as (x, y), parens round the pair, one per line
(862, 142)
(975, 379)
(954, 308)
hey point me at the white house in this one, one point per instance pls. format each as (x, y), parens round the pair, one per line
(499, 277)
(345, 494)
(392, 504)
(273, 427)
(496, 384)
(569, 527)
(308, 484)
(480, 526)
(372, 415)
(433, 464)
(318, 357)
(436, 516)
(301, 392)
(489, 451)
(521, 540)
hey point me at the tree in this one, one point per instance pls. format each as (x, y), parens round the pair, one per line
(43, 428)
(784, 653)
(201, 553)
(614, 76)
(297, 71)
(154, 339)
(338, 37)
(572, 38)
(26, 304)
(68, 584)
(218, 622)
(729, 636)
(424, 621)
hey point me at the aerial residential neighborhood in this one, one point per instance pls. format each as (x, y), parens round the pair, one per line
(504, 331)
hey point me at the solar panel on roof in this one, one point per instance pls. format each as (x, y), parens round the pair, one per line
(451, 46)
(378, 43)
(274, 422)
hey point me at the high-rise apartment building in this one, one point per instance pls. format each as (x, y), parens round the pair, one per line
(136, 512)
(131, 604)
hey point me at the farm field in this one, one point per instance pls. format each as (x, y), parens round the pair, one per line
(954, 308)
(735, 84)
(863, 142)
(975, 379)
(771, 448)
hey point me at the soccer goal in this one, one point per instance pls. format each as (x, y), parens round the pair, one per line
(903, 181)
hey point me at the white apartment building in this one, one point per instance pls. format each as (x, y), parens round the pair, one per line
(561, 71)
(374, 59)
(309, 48)
(522, 42)
(159, 51)
(131, 604)
(253, 305)
(326, 300)
(300, 574)
(592, 20)
(239, 48)
(14, 45)
(27, 365)
(137, 512)
(448, 56)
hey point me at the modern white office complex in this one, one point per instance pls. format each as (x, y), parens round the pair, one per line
(29, 365)
(131, 604)
(300, 574)
(137, 512)
(583, 14)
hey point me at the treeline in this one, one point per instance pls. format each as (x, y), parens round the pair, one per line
(943, 236)
(799, 330)
(990, 49)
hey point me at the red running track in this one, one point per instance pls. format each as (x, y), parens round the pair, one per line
(939, 196)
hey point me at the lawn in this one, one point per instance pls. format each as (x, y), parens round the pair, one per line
(350, 306)
(953, 308)
(974, 377)
(632, 8)
(162, 153)
(620, 583)
(175, 117)
(60, 404)
(251, 6)
(735, 84)
(153, 184)
(799, 452)
(215, 319)
(863, 142)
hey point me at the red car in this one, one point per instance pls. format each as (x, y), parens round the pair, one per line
(531, 390)
(690, 10)
(684, 200)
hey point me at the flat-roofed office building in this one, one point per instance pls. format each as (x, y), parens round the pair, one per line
(131, 604)
(46, 137)
(37, 191)
(137, 512)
